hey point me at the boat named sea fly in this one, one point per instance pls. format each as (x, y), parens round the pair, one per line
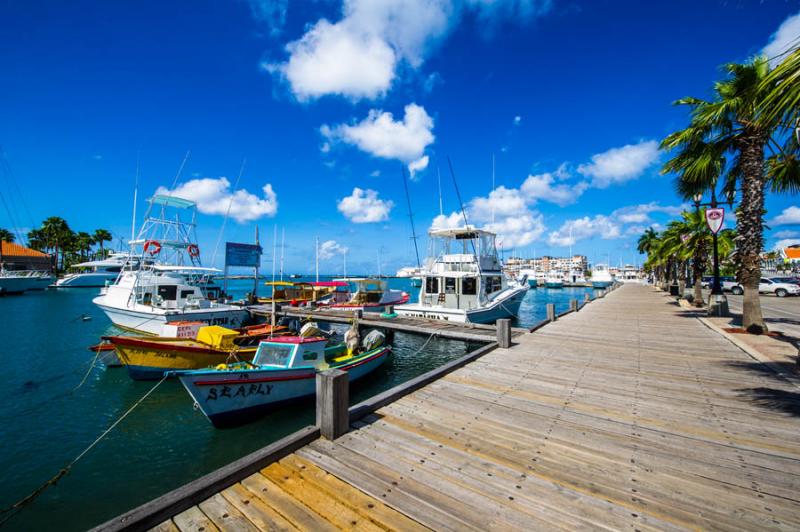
(283, 370)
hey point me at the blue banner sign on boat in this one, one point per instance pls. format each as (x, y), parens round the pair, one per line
(248, 255)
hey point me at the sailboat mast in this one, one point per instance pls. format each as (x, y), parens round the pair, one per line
(441, 209)
(283, 248)
(410, 216)
(344, 259)
(316, 257)
(490, 192)
(135, 194)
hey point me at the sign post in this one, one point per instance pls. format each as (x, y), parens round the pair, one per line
(245, 255)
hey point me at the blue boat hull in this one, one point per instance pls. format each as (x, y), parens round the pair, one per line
(601, 284)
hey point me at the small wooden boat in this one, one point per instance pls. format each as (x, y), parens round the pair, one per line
(324, 292)
(284, 369)
(148, 357)
(371, 295)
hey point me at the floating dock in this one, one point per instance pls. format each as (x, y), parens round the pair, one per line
(629, 414)
(469, 332)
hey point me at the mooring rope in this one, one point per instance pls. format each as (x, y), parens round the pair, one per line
(12, 510)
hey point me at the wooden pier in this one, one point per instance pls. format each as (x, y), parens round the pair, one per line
(629, 414)
(469, 332)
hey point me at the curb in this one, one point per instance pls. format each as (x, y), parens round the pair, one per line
(753, 353)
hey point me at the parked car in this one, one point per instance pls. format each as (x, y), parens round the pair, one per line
(793, 280)
(707, 280)
(769, 286)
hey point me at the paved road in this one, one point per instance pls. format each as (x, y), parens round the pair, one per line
(781, 313)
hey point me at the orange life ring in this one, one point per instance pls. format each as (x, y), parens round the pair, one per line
(193, 250)
(153, 247)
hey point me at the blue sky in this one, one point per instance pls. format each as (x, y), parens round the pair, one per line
(327, 102)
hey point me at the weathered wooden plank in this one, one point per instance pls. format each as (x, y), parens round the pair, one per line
(166, 526)
(369, 507)
(264, 517)
(194, 520)
(291, 509)
(225, 515)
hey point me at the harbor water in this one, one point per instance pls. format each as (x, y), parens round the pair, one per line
(45, 422)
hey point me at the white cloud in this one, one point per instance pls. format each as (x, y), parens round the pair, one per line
(517, 120)
(517, 231)
(572, 231)
(418, 165)
(786, 234)
(451, 221)
(331, 248)
(214, 196)
(640, 214)
(359, 55)
(364, 206)
(380, 135)
(783, 40)
(541, 187)
(785, 243)
(375, 173)
(270, 13)
(619, 165)
(789, 216)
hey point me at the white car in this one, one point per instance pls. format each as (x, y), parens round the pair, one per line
(766, 286)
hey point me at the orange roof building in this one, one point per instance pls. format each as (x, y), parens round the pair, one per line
(792, 253)
(17, 257)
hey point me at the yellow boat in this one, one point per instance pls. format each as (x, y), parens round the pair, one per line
(148, 357)
(302, 292)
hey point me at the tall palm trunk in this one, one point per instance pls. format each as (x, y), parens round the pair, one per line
(749, 225)
(681, 278)
(698, 266)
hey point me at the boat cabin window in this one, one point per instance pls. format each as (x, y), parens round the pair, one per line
(469, 286)
(493, 284)
(274, 355)
(432, 285)
(114, 269)
(186, 293)
(449, 285)
(168, 292)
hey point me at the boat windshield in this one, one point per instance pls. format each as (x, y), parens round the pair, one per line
(274, 354)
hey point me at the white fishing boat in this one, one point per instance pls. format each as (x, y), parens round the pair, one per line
(464, 281)
(370, 295)
(555, 279)
(530, 275)
(168, 282)
(95, 273)
(601, 277)
(19, 281)
(23, 269)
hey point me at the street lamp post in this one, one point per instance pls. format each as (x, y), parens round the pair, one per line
(718, 303)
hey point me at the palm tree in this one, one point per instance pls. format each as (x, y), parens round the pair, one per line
(782, 87)
(647, 241)
(37, 240)
(56, 232)
(83, 243)
(729, 126)
(6, 235)
(100, 236)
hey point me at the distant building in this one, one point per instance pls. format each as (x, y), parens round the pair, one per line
(791, 256)
(16, 257)
(548, 264)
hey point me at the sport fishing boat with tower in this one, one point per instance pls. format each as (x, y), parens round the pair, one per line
(464, 281)
(168, 282)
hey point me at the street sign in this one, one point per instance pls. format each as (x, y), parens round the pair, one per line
(242, 255)
(714, 219)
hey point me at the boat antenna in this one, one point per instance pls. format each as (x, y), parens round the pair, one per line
(490, 193)
(410, 214)
(463, 213)
(274, 248)
(135, 195)
(228, 212)
(316, 256)
(439, 172)
(5, 168)
(283, 248)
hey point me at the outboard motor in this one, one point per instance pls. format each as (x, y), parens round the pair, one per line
(311, 329)
(373, 339)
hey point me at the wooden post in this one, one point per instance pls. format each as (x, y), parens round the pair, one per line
(551, 312)
(587, 297)
(573, 305)
(333, 401)
(389, 309)
(358, 314)
(504, 333)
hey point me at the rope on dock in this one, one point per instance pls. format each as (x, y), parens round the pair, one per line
(12, 510)
(434, 333)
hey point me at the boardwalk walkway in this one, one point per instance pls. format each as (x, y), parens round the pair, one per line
(629, 414)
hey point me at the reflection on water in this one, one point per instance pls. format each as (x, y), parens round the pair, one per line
(164, 443)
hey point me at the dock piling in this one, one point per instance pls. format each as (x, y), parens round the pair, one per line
(504, 333)
(573, 305)
(333, 401)
(551, 312)
(587, 297)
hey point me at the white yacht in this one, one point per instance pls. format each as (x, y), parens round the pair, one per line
(463, 280)
(168, 283)
(95, 273)
(19, 281)
(601, 277)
